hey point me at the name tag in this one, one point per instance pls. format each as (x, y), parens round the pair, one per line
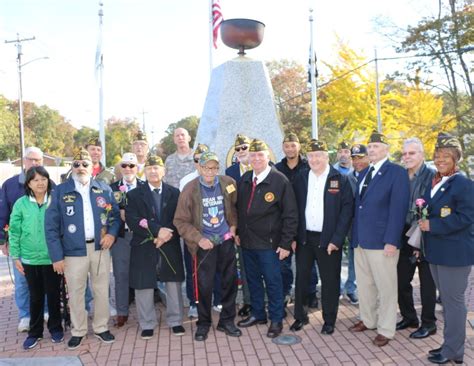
(230, 188)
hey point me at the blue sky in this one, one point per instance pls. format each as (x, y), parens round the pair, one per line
(156, 51)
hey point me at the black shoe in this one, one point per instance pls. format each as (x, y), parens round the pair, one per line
(440, 359)
(327, 329)
(299, 324)
(156, 296)
(251, 320)
(245, 310)
(74, 342)
(313, 302)
(274, 330)
(178, 330)
(105, 337)
(147, 334)
(201, 333)
(403, 324)
(229, 329)
(423, 332)
(435, 351)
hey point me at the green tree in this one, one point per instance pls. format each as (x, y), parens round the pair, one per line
(189, 123)
(119, 134)
(9, 131)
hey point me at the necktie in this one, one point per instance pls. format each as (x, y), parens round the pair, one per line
(157, 199)
(252, 193)
(129, 187)
(367, 180)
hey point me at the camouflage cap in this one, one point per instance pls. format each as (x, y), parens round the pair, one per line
(291, 137)
(344, 145)
(316, 145)
(208, 156)
(81, 154)
(153, 160)
(258, 145)
(447, 140)
(200, 149)
(378, 137)
(130, 158)
(241, 140)
(359, 150)
(140, 136)
(93, 141)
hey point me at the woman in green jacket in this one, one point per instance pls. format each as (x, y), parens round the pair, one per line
(31, 257)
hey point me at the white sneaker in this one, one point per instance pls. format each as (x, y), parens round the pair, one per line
(193, 312)
(217, 308)
(46, 317)
(24, 325)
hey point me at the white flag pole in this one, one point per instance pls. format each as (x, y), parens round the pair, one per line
(211, 37)
(314, 100)
(100, 70)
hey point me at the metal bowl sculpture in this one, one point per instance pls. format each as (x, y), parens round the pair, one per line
(242, 34)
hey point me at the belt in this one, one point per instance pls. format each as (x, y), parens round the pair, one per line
(88, 241)
(313, 232)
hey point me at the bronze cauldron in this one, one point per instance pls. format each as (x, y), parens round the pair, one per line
(242, 34)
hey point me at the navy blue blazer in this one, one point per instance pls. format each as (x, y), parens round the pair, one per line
(450, 241)
(379, 217)
(234, 172)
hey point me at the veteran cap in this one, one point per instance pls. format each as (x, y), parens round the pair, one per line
(378, 137)
(140, 136)
(153, 160)
(200, 149)
(81, 154)
(94, 141)
(208, 156)
(130, 158)
(344, 145)
(447, 140)
(316, 145)
(241, 140)
(258, 145)
(359, 150)
(291, 137)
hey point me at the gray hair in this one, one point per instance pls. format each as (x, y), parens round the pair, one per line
(33, 149)
(414, 140)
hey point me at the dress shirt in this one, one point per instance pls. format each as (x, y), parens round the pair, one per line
(438, 185)
(152, 188)
(87, 212)
(261, 177)
(377, 167)
(314, 211)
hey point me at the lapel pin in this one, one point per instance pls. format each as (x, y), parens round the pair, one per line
(442, 189)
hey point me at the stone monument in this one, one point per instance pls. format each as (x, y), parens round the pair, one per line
(240, 97)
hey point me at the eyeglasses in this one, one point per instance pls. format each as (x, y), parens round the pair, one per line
(131, 166)
(243, 148)
(196, 160)
(411, 153)
(76, 164)
(211, 169)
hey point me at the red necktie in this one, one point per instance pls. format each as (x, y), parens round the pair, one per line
(254, 185)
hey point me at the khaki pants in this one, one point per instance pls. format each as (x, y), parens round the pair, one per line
(377, 285)
(76, 271)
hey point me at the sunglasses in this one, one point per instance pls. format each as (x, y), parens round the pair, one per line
(77, 164)
(243, 148)
(196, 160)
(131, 166)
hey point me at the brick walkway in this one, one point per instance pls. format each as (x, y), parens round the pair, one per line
(252, 348)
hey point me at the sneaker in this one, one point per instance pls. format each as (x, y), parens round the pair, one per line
(353, 299)
(74, 342)
(178, 330)
(193, 312)
(24, 325)
(31, 342)
(105, 337)
(147, 334)
(57, 337)
(217, 308)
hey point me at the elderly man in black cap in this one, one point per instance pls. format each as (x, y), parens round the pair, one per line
(267, 224)
(325, 203)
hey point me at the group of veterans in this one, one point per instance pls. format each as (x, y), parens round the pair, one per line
(181, 221)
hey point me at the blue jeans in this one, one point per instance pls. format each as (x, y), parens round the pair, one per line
(350, 286)
(286, 274)
(266, 264)
(22, 294)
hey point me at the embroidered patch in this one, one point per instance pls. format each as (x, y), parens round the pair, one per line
(100, 201)
(97, 190)
(269, 197)
(230, 188)
(70, 211)
(445, 211)
(69, 198)
(72, 228)
(118, 196)
(334, 184)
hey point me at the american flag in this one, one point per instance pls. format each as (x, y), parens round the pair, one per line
(216, 20)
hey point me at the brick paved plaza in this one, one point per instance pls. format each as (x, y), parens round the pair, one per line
(252, 348)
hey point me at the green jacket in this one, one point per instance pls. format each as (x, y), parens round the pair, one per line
(26, 232)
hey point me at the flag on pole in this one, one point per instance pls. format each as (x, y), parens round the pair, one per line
(309, 66)
(216, 20)
(99, 57)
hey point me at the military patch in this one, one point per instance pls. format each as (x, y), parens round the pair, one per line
(230, 188)
(97, 190)
(334, 184)
(69, 198)
(445, 211)
(118, 196)
(72, 228)
(269, 197)
(70, 211)
(101, 202)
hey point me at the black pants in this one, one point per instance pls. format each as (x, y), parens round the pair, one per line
(43, 281)
(405, 271)
(220, 258)
(329, 271)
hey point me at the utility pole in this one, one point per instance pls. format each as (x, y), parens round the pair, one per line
(17, 42)
(377, 92)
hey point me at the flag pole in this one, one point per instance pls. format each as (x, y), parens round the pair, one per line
(211, 37)
(314, 100)
(100, 70)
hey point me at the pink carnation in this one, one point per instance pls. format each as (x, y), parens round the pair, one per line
(420, 202)
(123, 189)
(143, 223)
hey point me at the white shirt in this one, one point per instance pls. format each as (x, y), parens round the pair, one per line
(88, 214)
(314, 211)
(261, 177)
(186, 179)
(438, 185)
(152, 188)
(377, 167)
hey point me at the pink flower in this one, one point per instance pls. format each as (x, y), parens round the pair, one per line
(420, 202)
(143, 223)
(122, 189)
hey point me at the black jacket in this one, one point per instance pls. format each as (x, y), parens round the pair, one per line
(338, 207)
(273, 217)
(282, 166)
(145, 259)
